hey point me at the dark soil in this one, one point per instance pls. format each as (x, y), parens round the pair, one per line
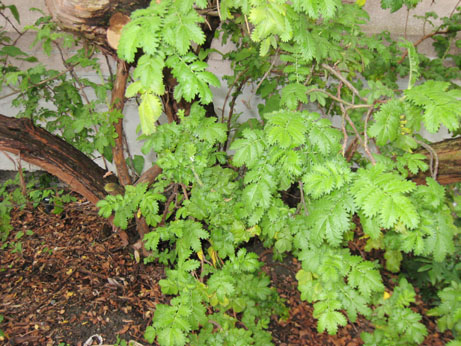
(74, 278)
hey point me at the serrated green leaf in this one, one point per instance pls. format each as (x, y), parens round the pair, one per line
(150, 110)
(149, 70)
(172, 337)
(324, 138)
(441, 106)
(382, 195)
(330, 217)
(128, 44)
(386, 126)
(286, 129)
(366, 278)
(292, 94)
(150, 334)
(394, 5)
(257, 194)
(324, 178)
(330, 321)
(249, 149)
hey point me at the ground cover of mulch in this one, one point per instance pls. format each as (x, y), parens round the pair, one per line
(73, 278)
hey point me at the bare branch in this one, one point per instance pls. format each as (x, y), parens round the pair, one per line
(344, 80)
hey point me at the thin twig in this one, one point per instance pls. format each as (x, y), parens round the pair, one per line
(168, 202)
(343, 123)
(454, 8)
(196, 176)
(35, 85)
(231, 110)
(10, 158)
(434, 167)
(344, 80)
(218, 8)
(268, 71)
(111, 73)
(22, 181)
(351, 123)
(406, 23)
(230, 91)
(215, 323)
(303, 201)
(184, 190)
(421, 40)
(247, 24)
(350, 105)
(365, 134)
(11, 23)
(367, 151)
(81, 87)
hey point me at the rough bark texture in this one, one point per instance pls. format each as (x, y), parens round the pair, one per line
(41, 148)
(117, 104)
(150, 175)
(449, 167)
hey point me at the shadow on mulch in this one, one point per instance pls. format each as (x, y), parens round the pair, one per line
(72, 278)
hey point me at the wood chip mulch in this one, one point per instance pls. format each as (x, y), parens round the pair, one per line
(73, 278)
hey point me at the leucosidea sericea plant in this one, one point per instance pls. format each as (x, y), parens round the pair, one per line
(299, 54)
(338, 123)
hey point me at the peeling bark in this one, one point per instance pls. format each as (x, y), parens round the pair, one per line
(90, 18)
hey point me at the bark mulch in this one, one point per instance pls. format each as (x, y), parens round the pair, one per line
(73, 278)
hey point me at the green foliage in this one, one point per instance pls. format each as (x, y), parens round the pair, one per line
(440, 105)
(396, 323)
(449, 310)
(286, 177)
(2, 334)
(137, 200)
(322, 279)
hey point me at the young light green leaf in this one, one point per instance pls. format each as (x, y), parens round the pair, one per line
(150, 110)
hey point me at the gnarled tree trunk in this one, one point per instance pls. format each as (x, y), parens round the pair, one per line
(41, 148)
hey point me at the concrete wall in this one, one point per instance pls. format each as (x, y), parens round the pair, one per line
(399, 24)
